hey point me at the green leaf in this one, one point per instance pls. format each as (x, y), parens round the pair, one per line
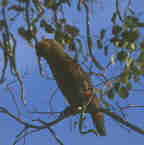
(116, 29)
(129, 86)
(131, 21)
(125, 77)
(129, 61)
(131, 36)
(106, 104)
(141, 67)
(122, 55)
(112, 59)
(99, 44)
(123, 43)
(72, 30)
(97, 91)
(136, 72)
(141, 57)
(102, 34)
(115, 41)
(106, 50)
(110, 94)
(114, 18)
(132, 46)
(117, 86)
(50, 3)
(123, 92)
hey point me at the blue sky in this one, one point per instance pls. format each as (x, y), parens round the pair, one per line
(38, 90)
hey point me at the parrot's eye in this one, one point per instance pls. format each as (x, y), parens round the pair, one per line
(79, 108)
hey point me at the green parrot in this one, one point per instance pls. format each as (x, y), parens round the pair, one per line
(72, 80)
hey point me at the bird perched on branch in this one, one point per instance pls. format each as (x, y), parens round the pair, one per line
(72, 80)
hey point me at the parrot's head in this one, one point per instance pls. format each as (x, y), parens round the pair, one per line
(49, 48)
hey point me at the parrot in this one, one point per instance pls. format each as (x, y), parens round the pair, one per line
(72, 80)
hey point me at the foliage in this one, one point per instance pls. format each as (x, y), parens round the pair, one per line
(123, 48)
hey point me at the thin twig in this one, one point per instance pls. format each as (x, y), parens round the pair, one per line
(52, 132)
(14, 100)
(89, 40)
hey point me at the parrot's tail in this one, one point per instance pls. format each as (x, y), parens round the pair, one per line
(98, 120)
